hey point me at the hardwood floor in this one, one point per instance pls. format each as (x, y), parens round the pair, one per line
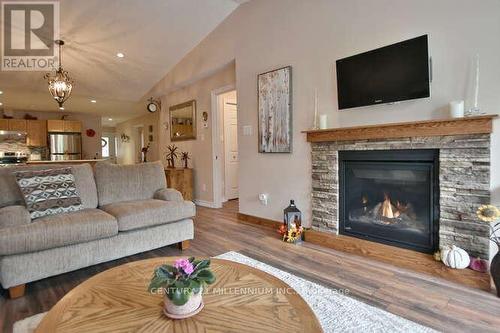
(428, 300)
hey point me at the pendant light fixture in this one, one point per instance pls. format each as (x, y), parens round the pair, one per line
(60, 84)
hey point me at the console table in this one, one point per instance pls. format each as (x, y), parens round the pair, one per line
(181, 179)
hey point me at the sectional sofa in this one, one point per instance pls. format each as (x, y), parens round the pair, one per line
(127, 210)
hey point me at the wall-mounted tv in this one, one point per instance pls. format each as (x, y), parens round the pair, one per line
(389, 74)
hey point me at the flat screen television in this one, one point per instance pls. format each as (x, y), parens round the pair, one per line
(389, 74)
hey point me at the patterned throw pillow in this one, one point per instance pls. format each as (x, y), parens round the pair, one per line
(49, 192)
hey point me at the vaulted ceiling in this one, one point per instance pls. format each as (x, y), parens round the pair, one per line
(154, 35)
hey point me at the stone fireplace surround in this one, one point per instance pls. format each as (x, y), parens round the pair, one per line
(464, 181)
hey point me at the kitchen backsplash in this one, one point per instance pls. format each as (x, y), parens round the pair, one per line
(39, 153)
(13, 142)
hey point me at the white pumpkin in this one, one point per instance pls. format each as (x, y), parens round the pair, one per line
(455, 257)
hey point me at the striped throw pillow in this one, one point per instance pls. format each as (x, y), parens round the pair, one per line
(49, 192)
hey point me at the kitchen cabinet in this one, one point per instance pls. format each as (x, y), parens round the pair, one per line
(37, 133)
(4, 124)
(17, 125)
(69, 126)
(55, 125)
(72, 126)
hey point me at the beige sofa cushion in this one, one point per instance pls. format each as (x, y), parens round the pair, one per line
(10, 194)
(145, 213)
(11, 216)
(57, 230)
(117, 183)
(168, 194)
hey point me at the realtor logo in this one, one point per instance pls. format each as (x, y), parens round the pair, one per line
(29, 29)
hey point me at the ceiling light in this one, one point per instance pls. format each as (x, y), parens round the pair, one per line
(61, 108)
(60, 84)
(120, 55)
(93, 101)
(1, 103)
(1, 92)
(110, 119)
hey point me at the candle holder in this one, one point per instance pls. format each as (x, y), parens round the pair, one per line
(315, 121)
(475, 111)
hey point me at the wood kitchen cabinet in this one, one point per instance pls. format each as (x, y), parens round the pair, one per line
(64, 126)
(13, 125)
(55, 125)
(4, 124)
(17, 125)
(37, 133)
(72, 126)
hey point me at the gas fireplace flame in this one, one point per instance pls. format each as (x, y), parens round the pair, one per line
(390, 210)
(386, 208)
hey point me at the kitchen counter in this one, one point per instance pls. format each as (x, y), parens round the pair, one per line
(91, 162)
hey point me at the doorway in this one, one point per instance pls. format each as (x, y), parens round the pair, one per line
(138, 142)
(108, 144)
(225, 145)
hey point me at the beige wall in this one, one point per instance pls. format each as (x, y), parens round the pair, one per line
(200, 149)
(129, 152)
(310, 36)
(90, 145)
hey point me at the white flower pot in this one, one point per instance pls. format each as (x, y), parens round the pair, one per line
(192, 307)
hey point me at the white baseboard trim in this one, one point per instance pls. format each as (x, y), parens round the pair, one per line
(204, 203)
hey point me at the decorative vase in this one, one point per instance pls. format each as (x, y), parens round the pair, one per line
(189, 309)
(495, 271)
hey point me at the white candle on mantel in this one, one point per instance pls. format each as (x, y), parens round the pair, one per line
(476, 88)
(323, 121)
(315, 108)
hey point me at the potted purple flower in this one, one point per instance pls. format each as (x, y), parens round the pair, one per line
(183, 285)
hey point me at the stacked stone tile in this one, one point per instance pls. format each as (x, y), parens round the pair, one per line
(464, 182)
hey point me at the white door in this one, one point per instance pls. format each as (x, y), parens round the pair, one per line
(231, 160)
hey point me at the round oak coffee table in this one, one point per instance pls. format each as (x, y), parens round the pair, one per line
(243, 299)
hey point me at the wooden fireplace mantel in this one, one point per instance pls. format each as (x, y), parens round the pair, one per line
(440, 127)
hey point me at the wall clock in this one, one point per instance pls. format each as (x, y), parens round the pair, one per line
(153, 105)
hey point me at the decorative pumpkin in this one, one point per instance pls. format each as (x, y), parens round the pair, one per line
(478, 265)
(455, 257)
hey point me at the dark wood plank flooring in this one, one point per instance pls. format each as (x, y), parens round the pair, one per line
(425, 299)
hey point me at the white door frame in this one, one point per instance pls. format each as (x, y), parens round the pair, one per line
(216, 146)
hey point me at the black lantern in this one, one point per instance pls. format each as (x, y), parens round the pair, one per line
(292, 223)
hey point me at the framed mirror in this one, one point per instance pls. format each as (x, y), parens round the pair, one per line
(183, 121)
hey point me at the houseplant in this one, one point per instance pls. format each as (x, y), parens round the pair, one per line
(171, 156)
(183, 284)
(491, 214)
(185, 157)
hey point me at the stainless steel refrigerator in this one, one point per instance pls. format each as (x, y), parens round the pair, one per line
(67, 146)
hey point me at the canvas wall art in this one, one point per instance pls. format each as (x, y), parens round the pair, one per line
(275, 111)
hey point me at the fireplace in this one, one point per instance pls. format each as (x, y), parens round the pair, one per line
(391, 197)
